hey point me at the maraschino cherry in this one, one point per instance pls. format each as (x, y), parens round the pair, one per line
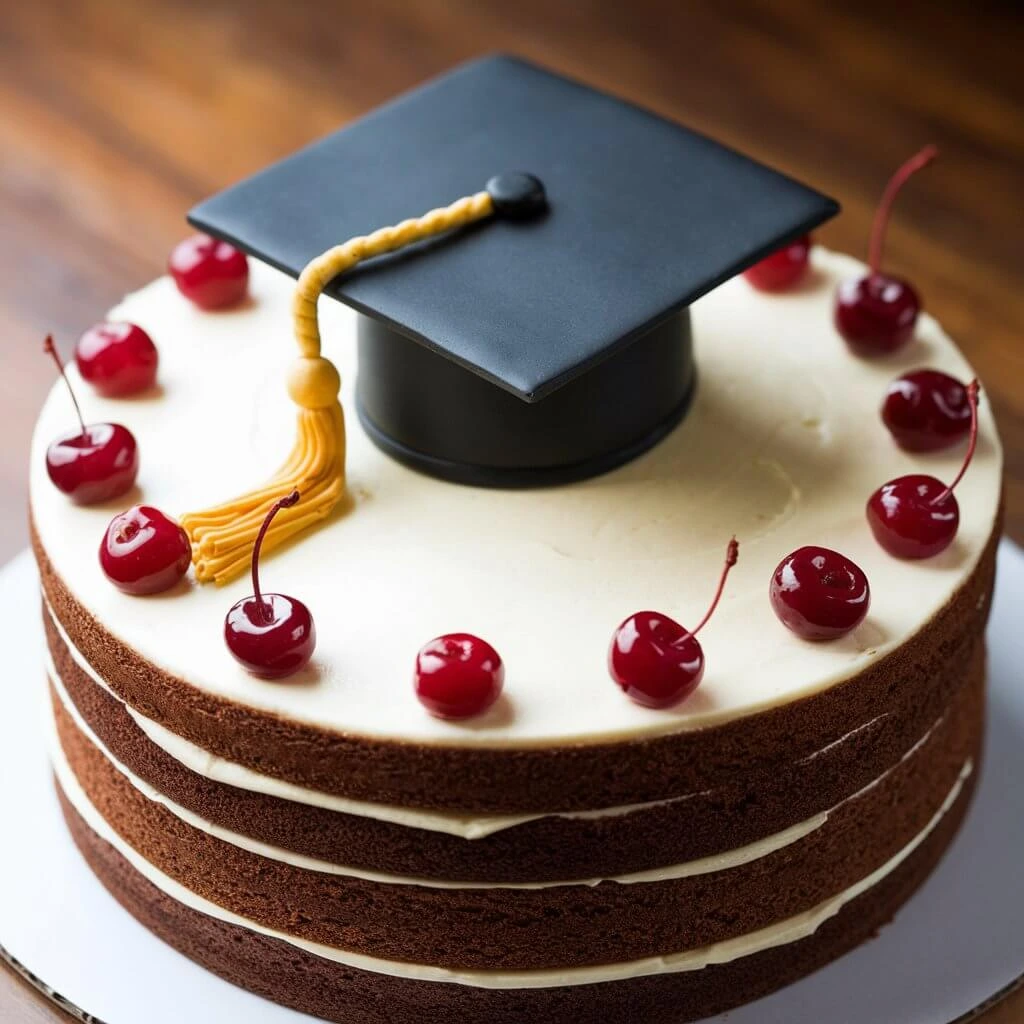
(94, 463)
(876, 313)
(458, 675)
(656, 661)
(926, 410)
(209, 272)
(917, 516)
(783, 268)
(819, 594)
(272, 635)
(144, 551)
(117, 359)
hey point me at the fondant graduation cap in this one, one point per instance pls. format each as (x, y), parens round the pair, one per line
(544, 336)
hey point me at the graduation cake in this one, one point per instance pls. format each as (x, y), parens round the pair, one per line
(352, 700)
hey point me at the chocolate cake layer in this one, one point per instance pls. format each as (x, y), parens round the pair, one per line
(546, 849)
(552, 927)
(912, 685)
(289, 975)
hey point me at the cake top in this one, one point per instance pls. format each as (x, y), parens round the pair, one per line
(644, 216)
(543, 575)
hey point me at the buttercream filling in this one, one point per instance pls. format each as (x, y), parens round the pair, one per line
(782, 446)
(783, 932)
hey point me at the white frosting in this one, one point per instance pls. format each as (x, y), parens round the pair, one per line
(782, 447)
(781, 933)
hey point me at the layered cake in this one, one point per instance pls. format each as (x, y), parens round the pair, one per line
(560, 808)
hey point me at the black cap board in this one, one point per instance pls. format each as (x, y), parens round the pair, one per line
(550, 342)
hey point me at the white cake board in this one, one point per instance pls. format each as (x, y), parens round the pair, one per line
(955, 946)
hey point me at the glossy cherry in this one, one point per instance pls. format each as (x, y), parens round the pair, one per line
(926, 410)
(117, 359)
(917, 516)
(209, 272)
(876, 314)
(97, 461)
(458, 675)
(819, 594)
(656, 661)
(783, 268)
(272, 635)
(144, 551)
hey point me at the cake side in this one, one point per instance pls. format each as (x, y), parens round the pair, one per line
(563, 923)
(339, 992)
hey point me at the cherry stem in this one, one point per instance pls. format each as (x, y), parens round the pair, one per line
(285, 502)
(973, 390)
(896, 182)
(51, 350)
(732, 554)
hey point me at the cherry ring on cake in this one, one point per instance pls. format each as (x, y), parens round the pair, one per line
(458, 675)
(209, 272)
(656, 661)
(917, 516)
(95, 463)
(819, 594)
(876, 314)
(783, 268)
(144, 551)
(271, 635)
(926, 410)
(117, 358)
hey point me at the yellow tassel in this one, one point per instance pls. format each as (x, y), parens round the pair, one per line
(222, 537)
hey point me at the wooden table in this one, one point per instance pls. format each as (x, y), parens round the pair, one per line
(117, 115)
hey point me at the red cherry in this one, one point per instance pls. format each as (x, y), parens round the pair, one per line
(117, 359)
(783, 268)
(656, 661)
(209, 272)
(458, 675)
(918, 516)
(876, 313)
(144, 551)
(819, 594)
(926, 410)
(272, 635)
(94, 463)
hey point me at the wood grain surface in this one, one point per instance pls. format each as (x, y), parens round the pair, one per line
(117, 115)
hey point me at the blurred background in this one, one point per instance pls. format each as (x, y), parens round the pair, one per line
(117, 115)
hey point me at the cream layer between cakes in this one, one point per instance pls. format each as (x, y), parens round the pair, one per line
(466, 826)
(705, 865)
(782, 447)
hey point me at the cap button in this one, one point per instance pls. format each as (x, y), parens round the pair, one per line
(517, 195)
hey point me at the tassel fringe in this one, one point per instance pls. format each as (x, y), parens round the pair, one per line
(223, 536)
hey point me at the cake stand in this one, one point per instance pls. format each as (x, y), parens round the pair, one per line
(954, 949)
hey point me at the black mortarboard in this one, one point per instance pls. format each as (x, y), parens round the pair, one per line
(533, 351)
